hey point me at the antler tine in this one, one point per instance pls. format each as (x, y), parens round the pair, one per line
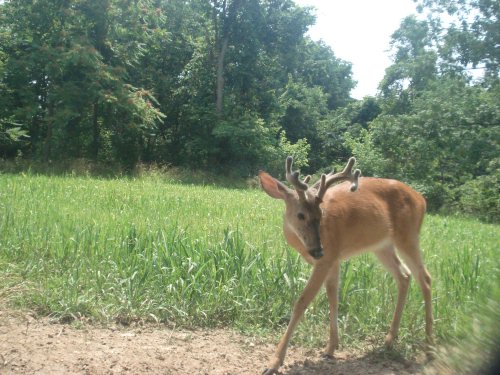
(322, 188)
(317, 184)
(293, 178)
(355, 182)
(346, 174)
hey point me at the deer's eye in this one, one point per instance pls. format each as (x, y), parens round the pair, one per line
(301, 216)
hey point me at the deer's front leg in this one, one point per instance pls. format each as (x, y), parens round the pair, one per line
(332, 291)
(316, 279)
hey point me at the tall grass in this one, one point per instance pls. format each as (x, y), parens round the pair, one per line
(191, 255)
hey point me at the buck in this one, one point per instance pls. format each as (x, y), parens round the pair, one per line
(329, 222)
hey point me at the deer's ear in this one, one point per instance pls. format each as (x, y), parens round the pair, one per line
(272, 187)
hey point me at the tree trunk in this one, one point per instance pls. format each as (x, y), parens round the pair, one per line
(48, 136)
(95, 131)
(224, 20)
(220, 76)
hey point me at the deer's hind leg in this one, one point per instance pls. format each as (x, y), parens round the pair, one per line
(389, 259)
(410, 252)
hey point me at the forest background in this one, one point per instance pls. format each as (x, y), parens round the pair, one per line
(233, 86)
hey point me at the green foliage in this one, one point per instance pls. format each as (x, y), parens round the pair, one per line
(479, 197)
(245, 142)
(303, 107)
(321, 68)
(67, 73)
(438, 128)
(299, 151)
(414, 65)
(11, 135)
(449, 136)
(469, 40)
(344, 126)
(369, 158)
(197, 84)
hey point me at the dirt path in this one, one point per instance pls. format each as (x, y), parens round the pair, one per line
(35, 346)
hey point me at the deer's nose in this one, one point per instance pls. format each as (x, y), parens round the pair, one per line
(316, 253)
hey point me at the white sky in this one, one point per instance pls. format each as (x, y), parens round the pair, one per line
(359, 31)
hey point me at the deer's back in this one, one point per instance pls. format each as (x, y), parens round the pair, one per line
(378, 210)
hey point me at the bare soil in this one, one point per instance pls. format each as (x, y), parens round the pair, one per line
(37, 346)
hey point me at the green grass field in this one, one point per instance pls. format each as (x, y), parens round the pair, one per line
(191, 255)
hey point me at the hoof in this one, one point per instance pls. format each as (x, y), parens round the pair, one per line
(430, 353)
(389, 341)
(327, 357)
(270, 371)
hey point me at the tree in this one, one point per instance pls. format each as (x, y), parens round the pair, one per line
(203, 84)
(438, 126)
(469, 34)
(414, 64)
(224, 22)
(319, 67)
(346, 123)
(449, 137)
(67, 72)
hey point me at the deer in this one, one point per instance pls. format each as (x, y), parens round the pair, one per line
(330, 221)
